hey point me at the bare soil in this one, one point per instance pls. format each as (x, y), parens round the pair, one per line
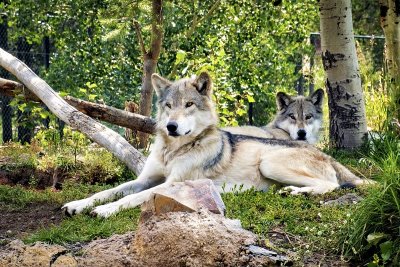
(20, 223)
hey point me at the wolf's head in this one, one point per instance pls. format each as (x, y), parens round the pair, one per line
(300, 116)
(184, 106)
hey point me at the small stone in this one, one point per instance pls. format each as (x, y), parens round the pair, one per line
(9, 233)
(348, 199)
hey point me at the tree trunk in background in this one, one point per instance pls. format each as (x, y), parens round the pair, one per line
(150, 59)
(347, 124)
(390, 22)
(6, 110)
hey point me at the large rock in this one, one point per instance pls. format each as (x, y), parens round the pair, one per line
(187, 196)
(196, 239)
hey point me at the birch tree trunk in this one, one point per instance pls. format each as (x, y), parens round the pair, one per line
(97, 132)
(347, 124)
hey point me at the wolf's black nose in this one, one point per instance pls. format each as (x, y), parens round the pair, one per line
(301, 134)
(172, 126)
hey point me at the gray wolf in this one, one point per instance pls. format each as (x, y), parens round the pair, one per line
(297, 118)
(189, 146)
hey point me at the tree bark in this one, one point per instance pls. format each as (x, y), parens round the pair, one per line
(98, 111)
(347, 125)
(97, 132)
(150, 59)
(390, 23)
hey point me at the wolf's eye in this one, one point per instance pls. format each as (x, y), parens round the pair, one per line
(309, 116)
(189, 104)
(168, 105)
(292, 116)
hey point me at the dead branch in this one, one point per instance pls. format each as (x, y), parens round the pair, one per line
(97, 132)
(98, 111)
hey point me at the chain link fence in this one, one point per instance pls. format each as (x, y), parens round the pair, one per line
(16, 124)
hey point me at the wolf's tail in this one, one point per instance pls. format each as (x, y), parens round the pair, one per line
(347, 178)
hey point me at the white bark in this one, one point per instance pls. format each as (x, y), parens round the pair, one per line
(97, 132)
(346, 104)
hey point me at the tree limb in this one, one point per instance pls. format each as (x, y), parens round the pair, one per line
(140, 37)
(97, 132)
(157, 31)
(102, 112)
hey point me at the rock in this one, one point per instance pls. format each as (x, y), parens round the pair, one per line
(187, 196)
(195, 239)
(17, 254)
(348, 199)
(269, 253)
(114, 251)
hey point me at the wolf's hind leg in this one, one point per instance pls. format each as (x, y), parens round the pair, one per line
(297, 180)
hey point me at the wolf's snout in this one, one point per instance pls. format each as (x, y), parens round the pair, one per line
(172, 126)
(301, 134)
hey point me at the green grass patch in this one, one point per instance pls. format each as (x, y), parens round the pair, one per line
(18, 197)
(302, 216)
(84, 228)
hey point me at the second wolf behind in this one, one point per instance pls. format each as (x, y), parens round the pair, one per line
(297, 118)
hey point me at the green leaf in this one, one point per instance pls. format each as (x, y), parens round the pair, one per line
(180, 56)
(374, 238)
(386, 250)
(250, 99)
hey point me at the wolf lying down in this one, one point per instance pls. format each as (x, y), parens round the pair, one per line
(298, 118)
(190, 146)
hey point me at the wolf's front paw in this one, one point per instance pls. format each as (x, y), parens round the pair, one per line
(76, 207)
(105, 210)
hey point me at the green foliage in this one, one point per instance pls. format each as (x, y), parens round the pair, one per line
(373, 231)
(16, 156)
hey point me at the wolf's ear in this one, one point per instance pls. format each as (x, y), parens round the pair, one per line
(203, 84)
(317, 97)
(159, 84)
(282, 100)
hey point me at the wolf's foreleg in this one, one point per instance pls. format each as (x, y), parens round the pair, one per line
(129, 201)
(151, 175)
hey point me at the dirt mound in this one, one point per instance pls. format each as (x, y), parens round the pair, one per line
(171, 239)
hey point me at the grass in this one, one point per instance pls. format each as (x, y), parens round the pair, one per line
(373, 233)
(84, 228)
(313, 225)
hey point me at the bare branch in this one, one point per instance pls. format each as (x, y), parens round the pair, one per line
(102, 112)
(140, 38)
(97, 132)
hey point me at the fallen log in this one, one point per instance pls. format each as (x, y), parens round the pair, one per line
(97, 132)
(101, 112)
